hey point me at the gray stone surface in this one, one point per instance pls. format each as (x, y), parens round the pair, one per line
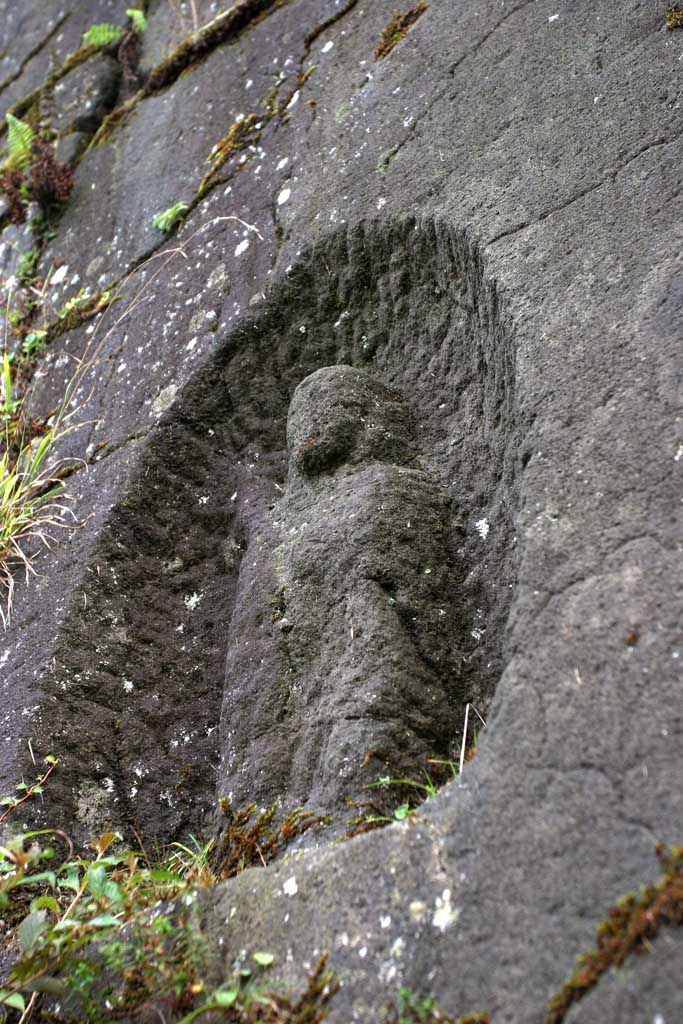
(487, 221)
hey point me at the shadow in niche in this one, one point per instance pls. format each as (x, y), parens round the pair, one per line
(409, 303)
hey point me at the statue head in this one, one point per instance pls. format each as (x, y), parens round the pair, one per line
(342, 416)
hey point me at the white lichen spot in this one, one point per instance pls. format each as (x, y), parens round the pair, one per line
(282, 163)
(381, 202)
(385, 921)
(417, 910)
(553, 17)
(242, 247)
(192, 601)
(679, 454)
(59, 275)
(444, 914)
(127, 685)
(290, 888)
(327, 47)
(397, 948)
(164, 399)
(363, 952)
(482, 527)
(284, 196)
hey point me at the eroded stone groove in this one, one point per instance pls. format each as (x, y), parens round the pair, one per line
(134, 700)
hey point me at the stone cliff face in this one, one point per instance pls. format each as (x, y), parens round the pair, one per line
(453, 261)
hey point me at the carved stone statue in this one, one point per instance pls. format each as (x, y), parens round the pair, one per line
(341, 661)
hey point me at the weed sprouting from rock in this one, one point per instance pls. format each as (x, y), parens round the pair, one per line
(412, 1009)
(112, 934)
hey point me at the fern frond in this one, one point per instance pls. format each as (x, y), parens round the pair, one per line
(138, 19)
(102, 35)
(20, 137)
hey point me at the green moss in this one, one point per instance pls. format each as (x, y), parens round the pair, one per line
(630, 926)
(397, 28)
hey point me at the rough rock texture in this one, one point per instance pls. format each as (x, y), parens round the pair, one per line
(486, 222)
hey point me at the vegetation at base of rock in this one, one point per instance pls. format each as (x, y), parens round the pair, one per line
(246, 842)
(674, 18)
(398, 798)
(112, 934)
(412, 1009)
(394, 31)
(629, 928)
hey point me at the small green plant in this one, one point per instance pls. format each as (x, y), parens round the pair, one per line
(111, 934)
(413, 1009)
(414, 790)
(28, 265)
(20, 138)
(102, 35)
(138, 18)
(34, 343)
(25, 792)
(168, 219)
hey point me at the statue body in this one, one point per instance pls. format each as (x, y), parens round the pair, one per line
(341, 664)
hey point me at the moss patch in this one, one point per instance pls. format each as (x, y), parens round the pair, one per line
(674, 18)
(629, 928)
(240, 134)
(395, 30)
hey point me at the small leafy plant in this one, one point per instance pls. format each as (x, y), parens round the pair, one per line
(111, 934)
(138, 18)
(29, 487)
(20, 138)
(102, 35)
(413, 1009)
(168, 219)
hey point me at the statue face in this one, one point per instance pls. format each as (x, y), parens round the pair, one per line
(324, 422)
(333, 413)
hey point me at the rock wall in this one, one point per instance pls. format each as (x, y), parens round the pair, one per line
(484, 222)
